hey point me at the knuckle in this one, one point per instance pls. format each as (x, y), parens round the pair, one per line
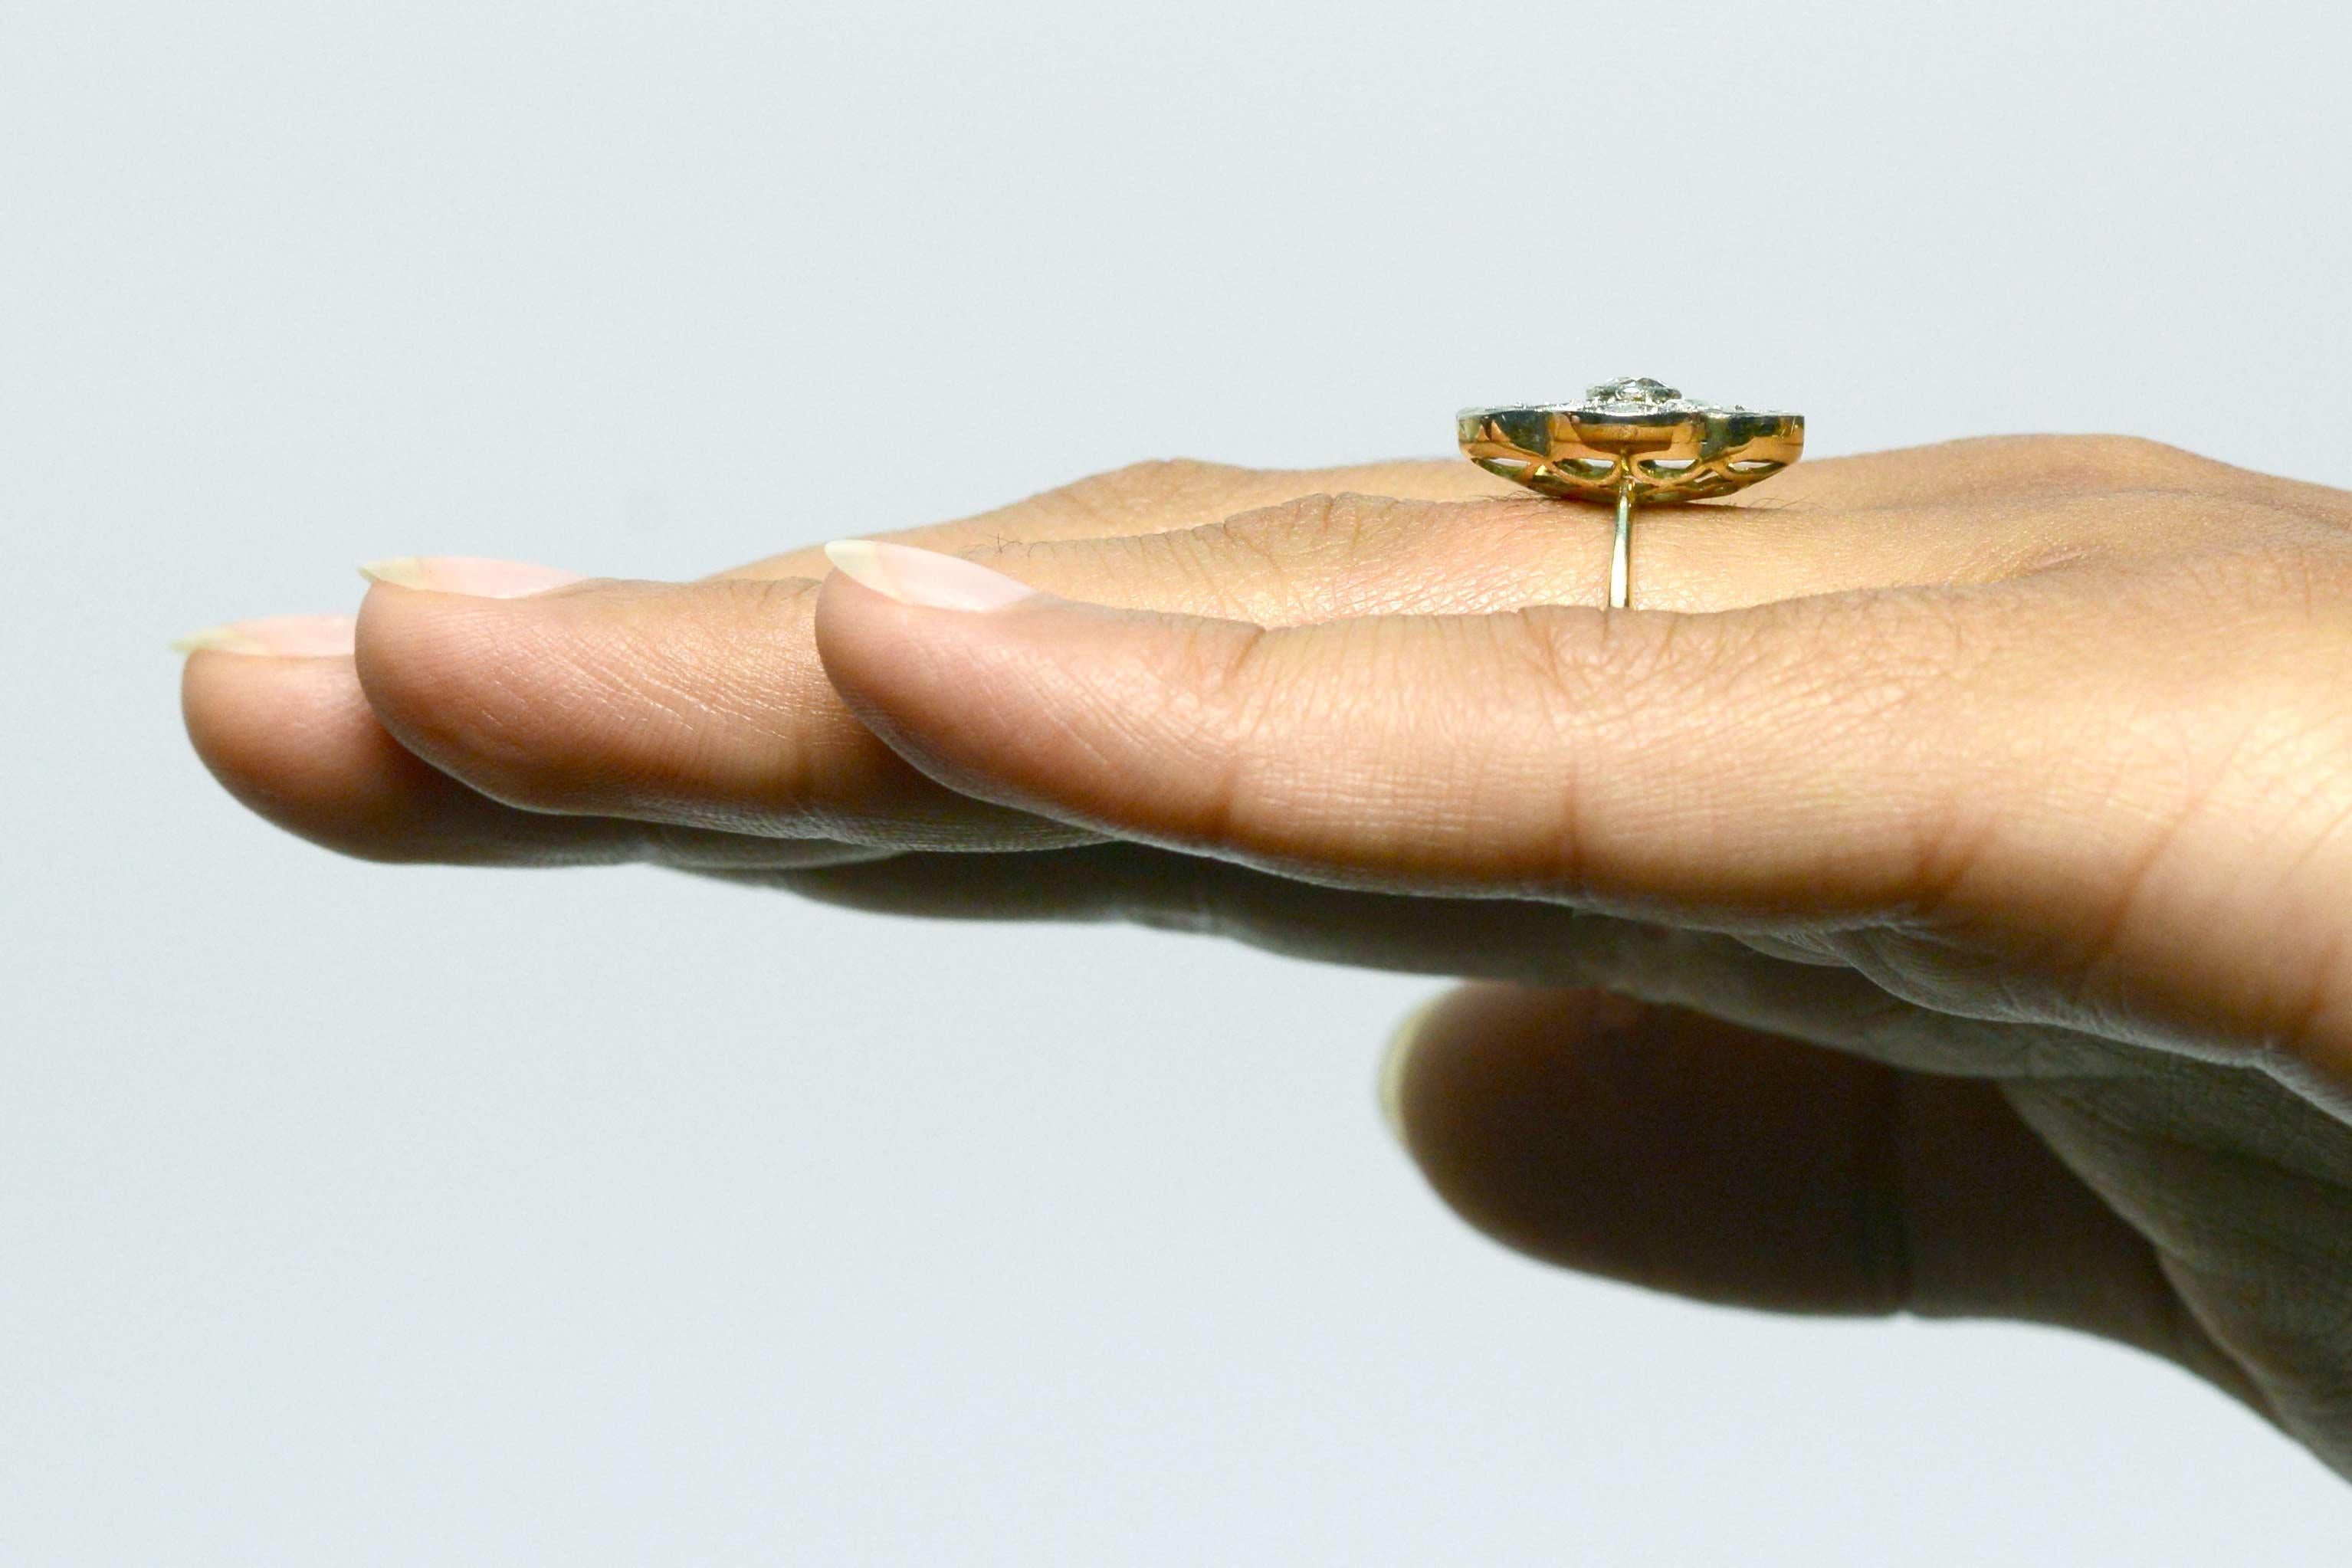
(2109, 452)
(2285, 559)
(2137, 462)
(1145, 489)
(1327, 531)
(2152, 522)
(1325, 554)
(1276, 548)
(1301, 559)
(1161, 475)
(2093, 462)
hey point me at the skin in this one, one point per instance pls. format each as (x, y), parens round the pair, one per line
(1928, 897)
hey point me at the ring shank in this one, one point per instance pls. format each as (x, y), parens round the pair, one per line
(1634, 439)
(1619, 557)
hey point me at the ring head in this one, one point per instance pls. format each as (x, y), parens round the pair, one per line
(1633, 436)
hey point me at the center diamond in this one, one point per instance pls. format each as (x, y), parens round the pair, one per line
(1634, 389)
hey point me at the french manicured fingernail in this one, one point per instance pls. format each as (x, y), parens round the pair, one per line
(925, 577)
(288, 637)
(473, 574)
(1394, 1065)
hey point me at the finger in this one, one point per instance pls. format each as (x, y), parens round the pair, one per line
(700, 705)
(1675, 1151)
(275, 712)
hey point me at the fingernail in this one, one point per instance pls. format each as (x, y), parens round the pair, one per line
(472, 575)
(1392, 1068)
(924, 577)
(290, 636)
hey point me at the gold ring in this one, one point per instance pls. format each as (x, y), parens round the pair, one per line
(1632, 439)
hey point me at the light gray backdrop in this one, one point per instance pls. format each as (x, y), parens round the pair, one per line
(363, 1216)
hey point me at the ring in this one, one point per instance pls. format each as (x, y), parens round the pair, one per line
(1632, 439)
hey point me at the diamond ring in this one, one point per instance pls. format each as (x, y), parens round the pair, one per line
(1632, 439)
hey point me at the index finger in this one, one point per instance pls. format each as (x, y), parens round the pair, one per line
(1930, 779)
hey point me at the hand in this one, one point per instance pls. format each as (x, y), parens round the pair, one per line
(2010, 771)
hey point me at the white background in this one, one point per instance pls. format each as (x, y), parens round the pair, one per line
(362, 1215)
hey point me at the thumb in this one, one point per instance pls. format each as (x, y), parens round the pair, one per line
(1670, 1150)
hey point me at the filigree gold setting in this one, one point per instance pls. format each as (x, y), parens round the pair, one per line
(1633, 434)
(1632, 439)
